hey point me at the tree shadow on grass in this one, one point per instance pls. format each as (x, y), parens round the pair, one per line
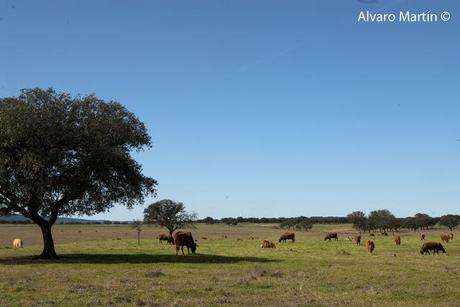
(134, 259)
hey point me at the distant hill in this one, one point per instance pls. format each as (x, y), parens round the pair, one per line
(14, 218)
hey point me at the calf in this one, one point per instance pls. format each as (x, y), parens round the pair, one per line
(330, 236)
(182, 239)
(267, 244)
(287, 236)
(432, 246)
(398, 240)
(370, 246)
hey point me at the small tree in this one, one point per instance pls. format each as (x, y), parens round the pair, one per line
(169, 214)
(61, 155)
(450, 220)
(137, 225)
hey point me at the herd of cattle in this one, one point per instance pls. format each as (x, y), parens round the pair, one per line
(185, 239)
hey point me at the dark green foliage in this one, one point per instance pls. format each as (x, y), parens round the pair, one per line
(68, 156)
(450, 220)
(358, 219)
(169, 214)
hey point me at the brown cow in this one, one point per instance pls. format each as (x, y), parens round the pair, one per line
(357, 239)
(451, 236)
(422, 236)
(287, 236)
(164, 237)
(445, 238)
(432, 246)
(331, 235)
(182, 239)
(267, 244)
(371, 235)
(398, 240)
(370, 246)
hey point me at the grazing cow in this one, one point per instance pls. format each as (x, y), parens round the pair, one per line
(398, 240)
(370, 246)
(357, 239)
(422, 236)
(331, 235)
(164, 237)
(287, 236)
(445, 238)
(385, 234)
(432, 246)
(371, 235)
(182, 239)
(17, 243)
(451, 236)
(267, 244)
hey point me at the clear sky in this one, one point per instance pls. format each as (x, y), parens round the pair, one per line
(262, 108)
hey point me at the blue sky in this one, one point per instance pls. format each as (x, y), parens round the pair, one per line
(262, 108)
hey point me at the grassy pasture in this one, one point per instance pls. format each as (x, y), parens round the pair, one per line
(103, 265)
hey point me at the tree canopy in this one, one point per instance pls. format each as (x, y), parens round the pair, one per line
(450, 220)
(168, 213)
(63, 155)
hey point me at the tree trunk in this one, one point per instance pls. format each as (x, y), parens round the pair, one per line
(48, 243)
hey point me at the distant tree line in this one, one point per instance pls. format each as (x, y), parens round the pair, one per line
(383, 220)
(285, 222)
(377, 220)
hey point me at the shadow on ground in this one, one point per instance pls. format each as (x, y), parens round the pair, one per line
(135, 259)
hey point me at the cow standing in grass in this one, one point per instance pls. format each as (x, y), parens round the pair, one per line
(182, 239)
(398, 240)
(287, 236)
(17, 243)
(370, 246)
(164, 237)
(432, 246)
(445, 238)
(422, 237)
(451, 236)
(357, 239)
(330, 236)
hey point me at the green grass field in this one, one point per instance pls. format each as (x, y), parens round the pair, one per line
(103, 265)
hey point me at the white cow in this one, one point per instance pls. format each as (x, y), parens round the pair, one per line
(17, 243)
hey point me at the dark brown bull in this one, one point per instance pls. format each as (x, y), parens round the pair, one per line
(398, 240)
(432, 246)
(370, 246)
(182, 239)
(164, 237)
(287, 236)
(330, 236)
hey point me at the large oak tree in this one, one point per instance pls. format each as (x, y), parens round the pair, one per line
(64, 155)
